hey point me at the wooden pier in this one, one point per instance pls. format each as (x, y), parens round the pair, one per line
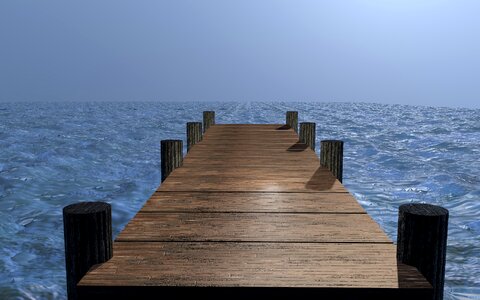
(252, 213)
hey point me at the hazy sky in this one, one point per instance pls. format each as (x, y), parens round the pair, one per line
(423, 52)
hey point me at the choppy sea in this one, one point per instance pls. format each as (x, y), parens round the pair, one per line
(55, 154)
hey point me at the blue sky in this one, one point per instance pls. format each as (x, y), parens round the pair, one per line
(388, 51)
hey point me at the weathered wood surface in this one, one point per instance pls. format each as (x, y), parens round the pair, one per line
(253, 227)
(256, 264)
(171, 154)
(292, 120)
(238, 202)
(308, 134)
(87, 228)
(194, 134)
(251, 209)
(331, 157)
(256, 183)
(422, 241)
(208, 119)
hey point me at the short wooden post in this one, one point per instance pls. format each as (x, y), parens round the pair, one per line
(208, 119)
(422, 241)
(171, 155)
(292, 120)
(307, 134)
(87, 228)
(194, 134)
(331, 157)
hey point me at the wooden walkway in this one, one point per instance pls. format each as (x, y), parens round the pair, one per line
(252, 213)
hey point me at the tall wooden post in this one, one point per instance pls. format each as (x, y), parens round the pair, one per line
(208, 119)
(87, 228)
(171, 155)
(422, 241)
(292, 120)
(307, 134)
(331, 157)
(194, 134)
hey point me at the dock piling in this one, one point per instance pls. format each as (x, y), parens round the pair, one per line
(422, 241)
(208, 119)
(171, 152)
(292, 120)
(331, 157)
(87, 230)
(307, 134)
(194, 134)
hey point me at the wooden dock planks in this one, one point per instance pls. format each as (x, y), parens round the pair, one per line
(252, 213)
(238, 202)
(253, 227)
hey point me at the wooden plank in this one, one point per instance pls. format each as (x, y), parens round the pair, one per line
(250, 143)
(252, 202)
(274, 152)
(281, 168)
(282, 137)
(254, 135)
(255, 171)
(250, 153)
(275, 139)
(259, 161)
(245, 127)
(284, 170)
(255, 265)
(226, 157)
(279, 184)
(246, 130)
(200, 163)
(258, 227)
(264, 148)
(251, 131)
(258, 146)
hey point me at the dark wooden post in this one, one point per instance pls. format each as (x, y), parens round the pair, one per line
(292, 120)
(307, 134)
(87, 228)
(171, 155)
(208, 119)
(194, 134)
(422, 241)
(331, 157)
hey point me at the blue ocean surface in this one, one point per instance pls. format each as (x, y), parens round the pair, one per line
(55, 154)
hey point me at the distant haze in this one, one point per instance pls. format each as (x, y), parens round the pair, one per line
(424, 52)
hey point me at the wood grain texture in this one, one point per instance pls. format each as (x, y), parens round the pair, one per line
(422, 241)
(308, 134)
(251, 212)
(248, 127)
(208, 120)
(252, 202)
(255, 264)
(253, 227)
(87, 228)
(291, 170)
(194, 134)
(171, 156)
(279, 184)
(292, 120)
(331, 157)
(265, 172)
(226, 155)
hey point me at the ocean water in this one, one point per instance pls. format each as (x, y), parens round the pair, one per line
(55, 154)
